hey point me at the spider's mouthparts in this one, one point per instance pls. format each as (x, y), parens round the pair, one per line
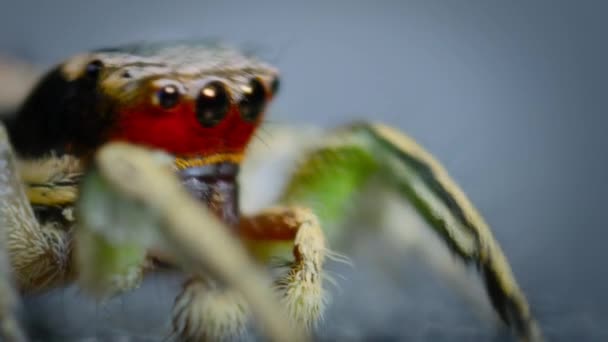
(215, 185)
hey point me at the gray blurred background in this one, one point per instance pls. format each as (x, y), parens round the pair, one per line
(511, 96)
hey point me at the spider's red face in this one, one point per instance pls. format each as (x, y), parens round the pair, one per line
(199, 103)
(202, 121)
(204, 125)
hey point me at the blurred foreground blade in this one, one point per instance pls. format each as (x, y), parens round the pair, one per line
(198, 239)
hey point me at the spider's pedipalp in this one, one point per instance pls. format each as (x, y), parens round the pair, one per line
(302, 286)
(275, 231)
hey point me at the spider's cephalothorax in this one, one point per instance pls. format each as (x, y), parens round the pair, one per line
(200, 106)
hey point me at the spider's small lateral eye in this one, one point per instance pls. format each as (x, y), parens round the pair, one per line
(275, 85)
(254, 100)
(168, 96)
(93, 69)
(212, 104)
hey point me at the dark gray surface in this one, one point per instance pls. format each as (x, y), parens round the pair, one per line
(510, 96)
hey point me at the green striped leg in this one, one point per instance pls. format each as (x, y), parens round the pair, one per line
(332, 175)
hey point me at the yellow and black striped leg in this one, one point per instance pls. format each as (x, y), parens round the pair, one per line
(440, 201)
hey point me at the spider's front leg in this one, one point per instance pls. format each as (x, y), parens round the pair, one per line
(37, 216)
(273, 232)
(40, 253)
(10, 191)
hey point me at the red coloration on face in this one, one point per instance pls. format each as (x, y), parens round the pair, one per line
(177, 130)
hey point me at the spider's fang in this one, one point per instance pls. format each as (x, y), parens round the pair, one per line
(215, 185)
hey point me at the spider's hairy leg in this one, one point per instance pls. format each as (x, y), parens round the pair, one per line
(142, 204)
(334, 173)
(39, 254)
(278, 232)
(10, 330)
(207, 311)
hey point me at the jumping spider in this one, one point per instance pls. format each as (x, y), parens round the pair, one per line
(91, 191)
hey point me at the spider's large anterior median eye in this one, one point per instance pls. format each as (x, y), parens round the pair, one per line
(212, 104)
(168, 96)
(254, 100)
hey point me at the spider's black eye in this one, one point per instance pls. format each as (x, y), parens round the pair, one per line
(168, 96)
(212, 104)
(254, 100)
(93, 69)
(275, 85)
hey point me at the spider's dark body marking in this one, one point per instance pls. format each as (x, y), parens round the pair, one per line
(59, 114)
